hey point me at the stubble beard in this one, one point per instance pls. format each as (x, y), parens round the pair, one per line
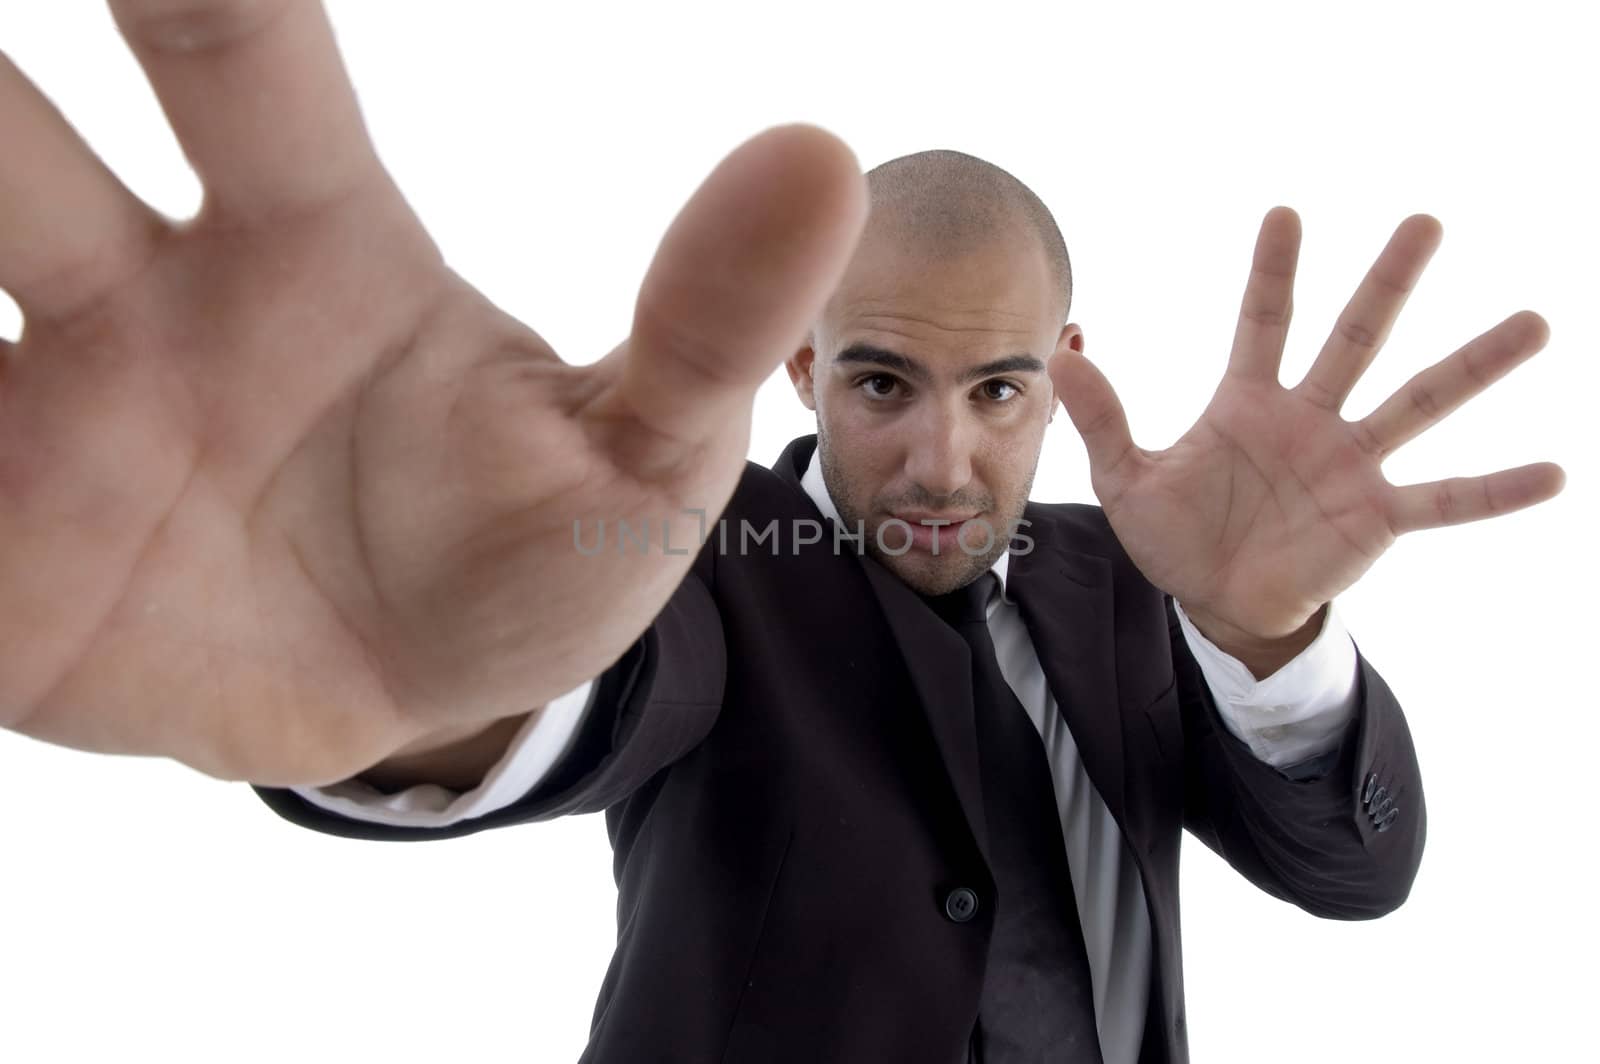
(922, 572)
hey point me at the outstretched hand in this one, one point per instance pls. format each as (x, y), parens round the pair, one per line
(281, 494)
(1272, 503)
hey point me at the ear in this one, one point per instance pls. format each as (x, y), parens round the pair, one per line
(799, 366)
(1070, 339)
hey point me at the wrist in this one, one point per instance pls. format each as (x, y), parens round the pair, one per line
(1262, 655)
(456, 758)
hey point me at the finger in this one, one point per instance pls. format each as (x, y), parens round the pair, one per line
(1364, 324)
(258, 97)
(1427, 397)
(68, 228)
(737, 281)
(1461, 499)
(1095, 410)
(1268, 304)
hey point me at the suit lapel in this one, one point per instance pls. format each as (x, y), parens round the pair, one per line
(941, 671)
(1065, 597)
(936, 658)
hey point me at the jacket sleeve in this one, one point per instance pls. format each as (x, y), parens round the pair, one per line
(652, 706)
(1344, 844)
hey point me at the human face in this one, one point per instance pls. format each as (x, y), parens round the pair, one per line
(928, 379)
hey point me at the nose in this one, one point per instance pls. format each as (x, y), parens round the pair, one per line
(939, 455)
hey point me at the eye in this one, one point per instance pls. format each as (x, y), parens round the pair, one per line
(999, 391)
(878, 385)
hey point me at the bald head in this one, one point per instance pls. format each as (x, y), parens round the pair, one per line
(943, 204)
(927, 369)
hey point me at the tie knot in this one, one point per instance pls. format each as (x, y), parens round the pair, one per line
(966, 604)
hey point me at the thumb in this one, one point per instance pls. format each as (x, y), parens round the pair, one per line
(1093, 406)
(739, 278)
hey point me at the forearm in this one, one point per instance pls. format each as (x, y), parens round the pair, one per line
(1298, 711)
(1316, 843)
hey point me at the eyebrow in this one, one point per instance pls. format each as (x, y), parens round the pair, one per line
(870, 354)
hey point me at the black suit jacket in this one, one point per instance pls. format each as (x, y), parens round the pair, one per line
(788, 769)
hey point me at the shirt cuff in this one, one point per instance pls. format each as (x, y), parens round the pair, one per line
(1297, 713)
(537, 745)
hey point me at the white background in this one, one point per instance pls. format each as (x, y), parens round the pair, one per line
(147, 912)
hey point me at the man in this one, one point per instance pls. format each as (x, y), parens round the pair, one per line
(787, 749)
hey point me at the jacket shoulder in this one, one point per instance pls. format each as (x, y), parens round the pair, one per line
(762, 491)
(1077, 526)
(1083, 528)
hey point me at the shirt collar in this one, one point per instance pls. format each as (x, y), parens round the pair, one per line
(817, 488)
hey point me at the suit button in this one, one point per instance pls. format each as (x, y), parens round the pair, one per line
(1372, 781)
(961, 904)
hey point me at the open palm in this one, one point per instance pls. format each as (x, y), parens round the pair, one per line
(1272, 503)
(279, 492)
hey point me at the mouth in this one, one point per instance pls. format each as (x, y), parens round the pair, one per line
(936, 533)
(912, 517)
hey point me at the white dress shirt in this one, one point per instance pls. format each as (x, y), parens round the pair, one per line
(1296, 713)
